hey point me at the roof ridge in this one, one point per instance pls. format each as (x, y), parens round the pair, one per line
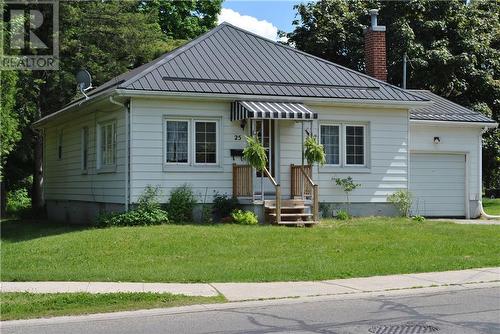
(171, 55)
(319, 59)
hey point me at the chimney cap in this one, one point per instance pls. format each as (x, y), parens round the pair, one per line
(374, 21)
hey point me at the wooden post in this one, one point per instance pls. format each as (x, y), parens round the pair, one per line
(278, 204)
(315, 203)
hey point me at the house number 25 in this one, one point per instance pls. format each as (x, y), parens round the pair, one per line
(237, 137)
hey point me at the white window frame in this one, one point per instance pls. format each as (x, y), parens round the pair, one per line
(344, 137)
(201, 120)
(100, 165)
(84, 148)
(173, 119)
(340, 142)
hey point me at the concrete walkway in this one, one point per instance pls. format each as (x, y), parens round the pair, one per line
(469, 221)
(254, 291)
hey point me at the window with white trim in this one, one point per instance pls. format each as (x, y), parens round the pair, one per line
(177, 141)
(85, 147)
(106, 144)
(355, 145)
(330, 139)
(205, 142)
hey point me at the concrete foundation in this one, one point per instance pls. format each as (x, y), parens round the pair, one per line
(79, 212)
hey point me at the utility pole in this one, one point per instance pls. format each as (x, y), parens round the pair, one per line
(405, 57)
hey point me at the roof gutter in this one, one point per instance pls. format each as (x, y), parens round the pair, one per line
(308, 100)
(74, 105)
(490, 125)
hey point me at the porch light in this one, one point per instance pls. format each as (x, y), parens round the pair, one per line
(437, 140)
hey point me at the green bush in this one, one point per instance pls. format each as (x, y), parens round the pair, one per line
(342, 215)
(148, 212)
(244, 217)
(402, 199)
(418, 219)
(18, 201)
(223, 205)
(206, 214)
(181, 204)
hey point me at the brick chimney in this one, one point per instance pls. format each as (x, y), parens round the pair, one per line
(375, 51)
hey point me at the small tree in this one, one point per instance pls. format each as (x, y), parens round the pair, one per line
(403, 200)
(347, 185)
(255, 154)
(313, 151)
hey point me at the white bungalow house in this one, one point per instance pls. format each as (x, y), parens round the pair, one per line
(183, 118)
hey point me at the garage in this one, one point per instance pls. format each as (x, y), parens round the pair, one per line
(437, 183)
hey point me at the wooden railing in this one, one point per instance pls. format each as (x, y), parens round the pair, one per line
(303, 185)
(242, 180)
(298, 186)
(277, 188)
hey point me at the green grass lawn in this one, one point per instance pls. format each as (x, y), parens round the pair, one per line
(36, 251)
(491, 206)
(24, 305)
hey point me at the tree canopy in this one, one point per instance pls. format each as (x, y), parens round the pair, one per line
(453, 47)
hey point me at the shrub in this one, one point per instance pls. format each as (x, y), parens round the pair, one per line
(347, 185)
(402, 199)
(244, 217)
(181, 204)
(223, 205)
(342, 215)
(206, 214)
(18, 200)
(313, 151)
(418, 219)
(148, 212)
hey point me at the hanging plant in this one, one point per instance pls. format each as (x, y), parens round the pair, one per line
(313, 151)
(255, 154)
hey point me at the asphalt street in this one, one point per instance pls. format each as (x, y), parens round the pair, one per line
(474, 310)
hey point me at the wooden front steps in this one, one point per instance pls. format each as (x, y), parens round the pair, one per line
(293, 212)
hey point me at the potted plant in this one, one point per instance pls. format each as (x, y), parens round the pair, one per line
(313, 151)
(255, 154)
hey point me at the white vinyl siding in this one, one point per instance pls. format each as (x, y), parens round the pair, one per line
(148, 147)
(64, 179)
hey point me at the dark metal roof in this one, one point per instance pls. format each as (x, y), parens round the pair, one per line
(445, 110)
(229, 60)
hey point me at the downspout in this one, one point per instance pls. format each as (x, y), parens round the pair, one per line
(126, 110)
(480, 174)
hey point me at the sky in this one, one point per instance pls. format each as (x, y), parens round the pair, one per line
(262, 17)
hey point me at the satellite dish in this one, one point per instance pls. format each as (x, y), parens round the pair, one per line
(84, 81)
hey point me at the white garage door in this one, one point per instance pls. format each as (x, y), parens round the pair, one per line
(437, 182)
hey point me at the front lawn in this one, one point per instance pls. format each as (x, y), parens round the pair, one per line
(35, 251)
(491, 206)
(23, 305)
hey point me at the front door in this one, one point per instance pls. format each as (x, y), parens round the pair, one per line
(265, 131)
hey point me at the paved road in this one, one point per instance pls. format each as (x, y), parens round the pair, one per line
(474, 310)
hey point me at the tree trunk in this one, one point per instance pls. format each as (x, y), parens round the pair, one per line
(37, 200)
(3, 199)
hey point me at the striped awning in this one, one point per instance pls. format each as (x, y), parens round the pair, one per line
(275, 110)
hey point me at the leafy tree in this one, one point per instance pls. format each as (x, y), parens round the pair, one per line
(185, 19)
(453, 46)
